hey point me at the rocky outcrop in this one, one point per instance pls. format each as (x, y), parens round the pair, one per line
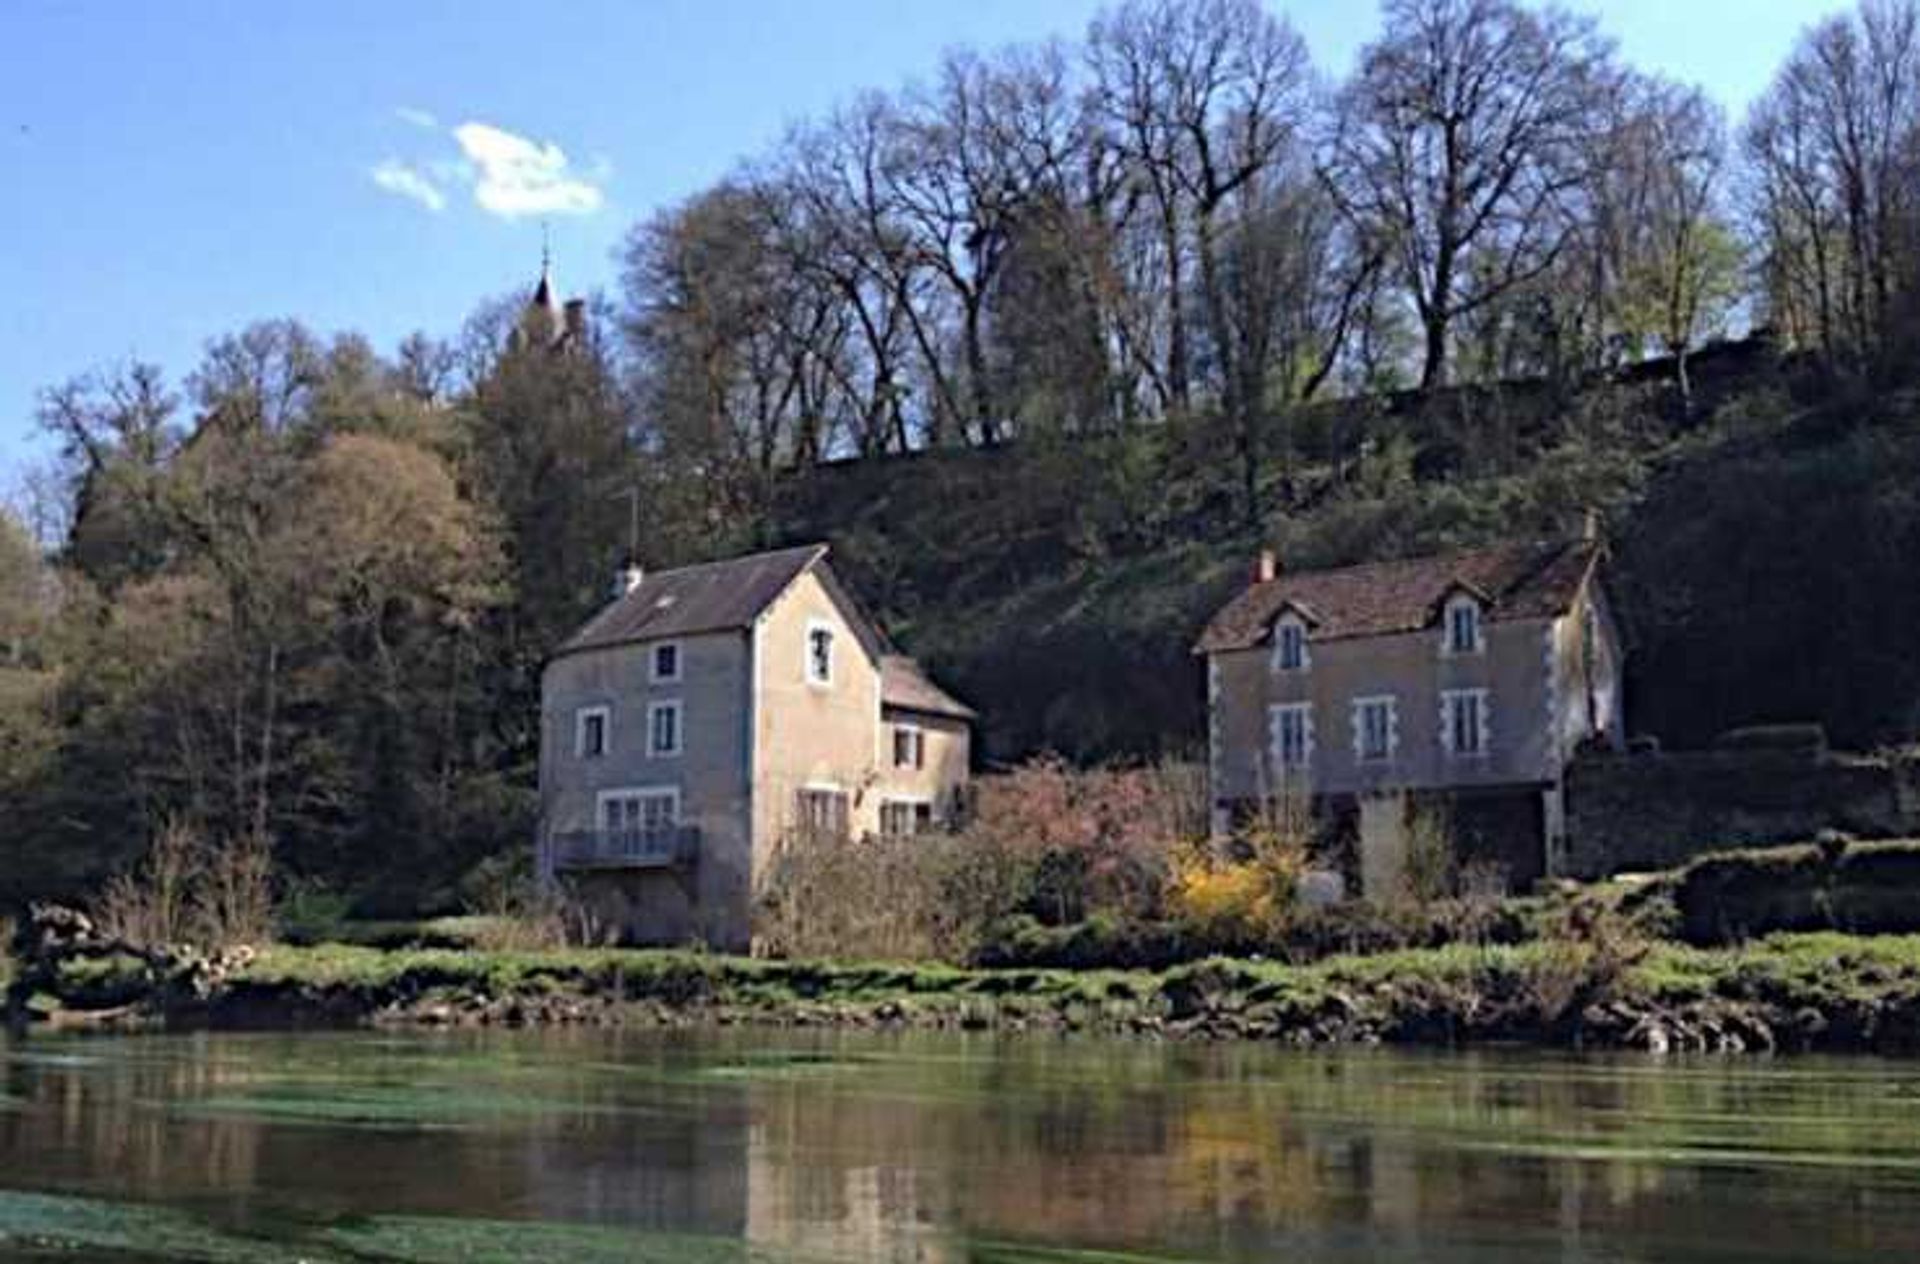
(70, 972)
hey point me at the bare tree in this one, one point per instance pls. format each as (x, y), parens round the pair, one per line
(1201, 98)
(1831, 153)
(1456, 145)
(1680, 263)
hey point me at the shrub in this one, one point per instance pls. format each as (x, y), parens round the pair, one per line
(1585, 960)
(1433, 867)
(1046, 846)
(1241, 895)
(311, 913)
(886, 897)
(190, 890)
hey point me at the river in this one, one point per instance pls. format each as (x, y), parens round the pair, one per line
(765, 1146)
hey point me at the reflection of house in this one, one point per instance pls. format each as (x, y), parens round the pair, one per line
(710, 711)
(1471, 678)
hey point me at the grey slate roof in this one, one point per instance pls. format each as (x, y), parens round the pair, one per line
(1517, 580)
(905, 685)
(710, 597)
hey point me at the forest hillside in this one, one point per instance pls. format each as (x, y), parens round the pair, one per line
(1046, 345)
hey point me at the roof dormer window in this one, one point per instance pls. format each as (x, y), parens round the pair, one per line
(1463, 626)
(1290, 644)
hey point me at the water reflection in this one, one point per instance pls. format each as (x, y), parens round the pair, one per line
(922, 1149)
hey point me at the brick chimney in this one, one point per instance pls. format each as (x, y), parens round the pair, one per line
(576, 319)
(1266, 567)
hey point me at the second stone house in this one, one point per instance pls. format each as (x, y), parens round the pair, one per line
(1465, 681)
(711, 713)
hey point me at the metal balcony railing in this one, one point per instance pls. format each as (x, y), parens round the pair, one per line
(659, 848)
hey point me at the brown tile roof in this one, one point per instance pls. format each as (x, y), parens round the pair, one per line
(904, 684)
(711, 597)
(1518, 580)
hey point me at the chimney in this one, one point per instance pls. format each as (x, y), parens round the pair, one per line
(627, 578)
(576, 318)
(1266, 567)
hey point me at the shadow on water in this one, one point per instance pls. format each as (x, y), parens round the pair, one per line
(779, 1146)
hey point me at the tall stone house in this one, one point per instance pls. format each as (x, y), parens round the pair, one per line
(1465, 681)
(710, 713)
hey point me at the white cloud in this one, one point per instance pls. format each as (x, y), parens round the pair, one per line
(397, 177)
(419, 118)
(515, 175)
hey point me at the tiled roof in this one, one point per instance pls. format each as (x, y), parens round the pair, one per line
(904, 684)
(712, 597)
(1518, 580)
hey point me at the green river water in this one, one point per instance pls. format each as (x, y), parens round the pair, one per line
(781, 1146)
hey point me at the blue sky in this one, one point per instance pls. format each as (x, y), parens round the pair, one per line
(169, 172)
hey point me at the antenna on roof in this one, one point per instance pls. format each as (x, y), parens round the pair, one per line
(632, 494)
(546, 248)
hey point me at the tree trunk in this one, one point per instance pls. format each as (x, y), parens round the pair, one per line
(1433, 370)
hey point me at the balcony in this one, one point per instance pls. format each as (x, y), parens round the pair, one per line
(662, 848)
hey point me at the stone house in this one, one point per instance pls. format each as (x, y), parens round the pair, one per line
(705, 715)
(1467, 680)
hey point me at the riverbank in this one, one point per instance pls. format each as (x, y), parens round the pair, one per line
(1808, 992)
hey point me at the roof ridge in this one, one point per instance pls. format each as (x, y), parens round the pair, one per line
(820, 545)
(1417, 559)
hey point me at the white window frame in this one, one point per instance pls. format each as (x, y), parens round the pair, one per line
(1286, 623)
(679, 662)
(580, 717)
(815, 626)
(1276, 715)
(1360, 708)
(915, 802)
(1450, 700)
(679, 728)
(1457, 602)
(622, 793)
(919, 735)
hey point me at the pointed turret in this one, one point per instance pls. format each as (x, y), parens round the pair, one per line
(543, 323)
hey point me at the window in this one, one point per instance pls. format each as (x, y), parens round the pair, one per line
(1463, 626)
(1376, 729)
(822, 811)
(634, 813)
(900, 817)
(909, 746)
(663, 728)
(590, 725)
(1463, 721)
(819, 654)
(1292, 736)
(666, 662)
(1290, 644)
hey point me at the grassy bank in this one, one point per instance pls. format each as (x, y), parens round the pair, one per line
(1803, 991)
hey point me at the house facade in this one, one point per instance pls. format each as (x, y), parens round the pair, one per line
(709, 713)
(1466, 680)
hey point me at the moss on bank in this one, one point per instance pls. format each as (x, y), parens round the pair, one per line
(1794, 991)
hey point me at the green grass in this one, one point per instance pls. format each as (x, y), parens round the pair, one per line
(1500, 991)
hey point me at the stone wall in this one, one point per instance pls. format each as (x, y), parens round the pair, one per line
(1655, 811)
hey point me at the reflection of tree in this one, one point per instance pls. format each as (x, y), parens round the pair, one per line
(79, 1120)
(911, 1148)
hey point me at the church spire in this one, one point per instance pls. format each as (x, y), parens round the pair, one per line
(543, 296)
(542, 323)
